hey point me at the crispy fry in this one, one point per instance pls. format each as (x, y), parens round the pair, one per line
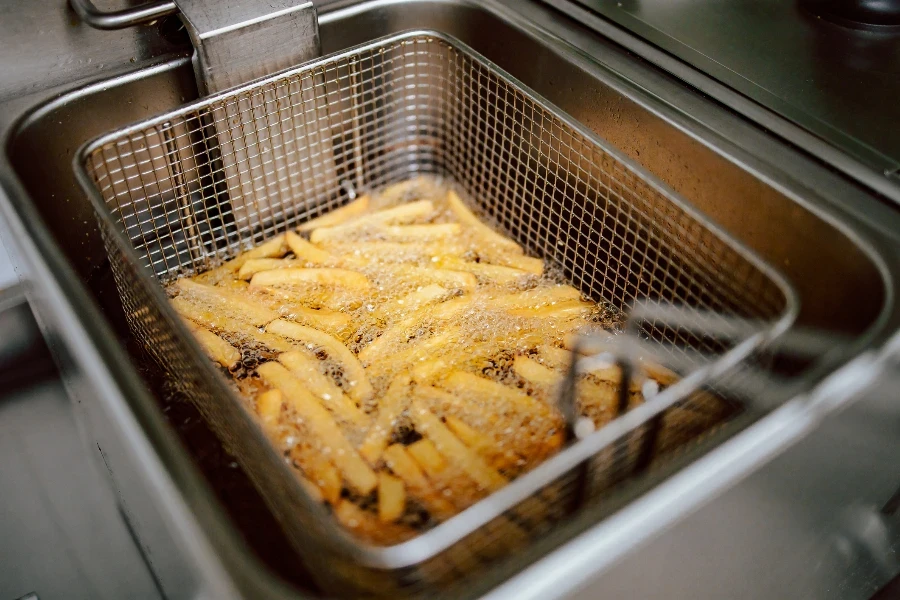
(324, 276)
(466, 383)
(426, 454)
(206, 317)
(367, 252)
(257, 265)
(558, 358)
(420, 232)
(402, 464)
(535, 373)
(305, 367)
(454, 450)
(468, 218)
(338, 215)
(355, 470)
(268, 407)
(273, 248)
(560, 310)
(319, 471)
(424, 275)
(226, 302)
(484, 271)
(398, 214)
(530, 264)
(391, 498)
(482, 443)
(216, 348)
(306, 252)
(394, 402)
(360, 388)
(408, 304)
(417, 351)
(367, 526)
(537, 298)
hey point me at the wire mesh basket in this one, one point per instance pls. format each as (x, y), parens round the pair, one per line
(179, 194)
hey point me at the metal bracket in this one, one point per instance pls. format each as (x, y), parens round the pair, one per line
(236, 41)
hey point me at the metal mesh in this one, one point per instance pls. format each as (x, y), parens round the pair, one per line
(185, 191)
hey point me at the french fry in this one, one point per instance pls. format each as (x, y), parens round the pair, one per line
(355, 470)
(406, 190)
(406, 468)
(482, 443)
(420, 350)
(484, 271)
(305, 367)
(306, 252)
(560, 310)
(216, 348)
(268, 407)
(423, 275)
(427, 456)
(532, 265)
(468, 218)
(535, 373)
(398, 214)
(536, 298)
(319, 471)
(555, 358)
(360, 388)
(435, 231)
(391, 498)
(226, 302)
(338, 215)
(322, 276)
(207, 318)
(257, 265)
(367, 525)
(473, 385)
(558, 358)
(394, 402)
(454, 450)
(273, 248)
(410, 303)
(367, 252)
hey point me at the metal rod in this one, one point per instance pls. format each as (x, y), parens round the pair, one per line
(121, 19)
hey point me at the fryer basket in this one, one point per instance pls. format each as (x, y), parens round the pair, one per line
(179, 194)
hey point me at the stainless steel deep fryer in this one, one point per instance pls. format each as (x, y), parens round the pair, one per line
(180, 193)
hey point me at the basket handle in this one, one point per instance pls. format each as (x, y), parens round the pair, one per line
(120, 19)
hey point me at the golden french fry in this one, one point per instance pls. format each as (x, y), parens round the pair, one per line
(482, 443)
(321, 424)
(226, 302)
(216, 348)
(257, 265)
(366, 525)
(322, 276)
(305, 367)
(535, 373)
(558, 358)
(468, 218)
(535, 266)
(484, 271)
(306, 252)
(424, 275)
(473, 385)
(273, 248)
(319, 471)
(407, 190)
(536, 298)
(391, 498)
(338, 215)
(268, 407)
(560, 310)
(398, 214)
(454, 450)
(360, 388)
(420, 232)
(411, 302)
(367, 252)
(426, 454)
(394, 402)
(417, 351)
(406, 468)
(553, 357)
(206, 317)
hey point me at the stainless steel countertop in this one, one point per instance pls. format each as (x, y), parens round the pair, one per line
(840, 84)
